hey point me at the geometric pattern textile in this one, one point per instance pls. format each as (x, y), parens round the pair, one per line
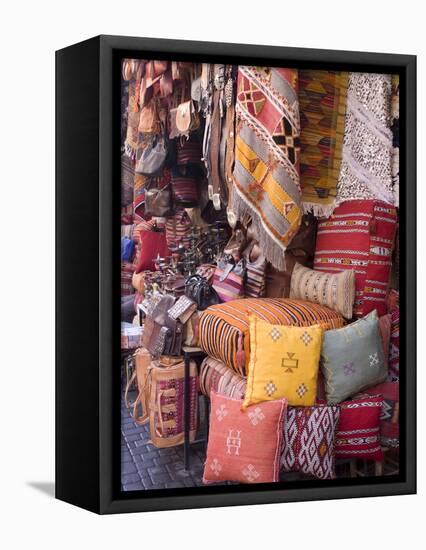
(322, 99)
(266, 180)
(309, 434)
(244, 446)
(358, 431)
(284, 362)
(334, 290)
(366, 167)
(389, 417)
(224, 328)
(359, 235)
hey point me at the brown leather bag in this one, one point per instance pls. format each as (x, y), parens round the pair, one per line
(138, 281)
(166, 405)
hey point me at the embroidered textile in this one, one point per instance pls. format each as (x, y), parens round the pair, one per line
(284, 362)
(336, 290)
(266, 172)
(389, 416)
(309, 440)
(322, 98)
(244, 446)
(366, 168)
(359, 235)
(352, 358)
(358, 431)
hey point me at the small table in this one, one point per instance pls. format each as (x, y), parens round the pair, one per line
(197, 355)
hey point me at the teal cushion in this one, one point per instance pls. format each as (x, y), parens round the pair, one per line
(352, 358)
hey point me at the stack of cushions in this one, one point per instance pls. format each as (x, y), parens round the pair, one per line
(359, 236)
(224, 328)
(284, 365)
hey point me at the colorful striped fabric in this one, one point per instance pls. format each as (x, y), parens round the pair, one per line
(216, 376)
(178, 230)
(360, 236)
(322, 97)
(224, 328)
(266, 183)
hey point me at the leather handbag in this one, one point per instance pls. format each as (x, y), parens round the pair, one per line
(154, 156)
(165, 401)
(199, 290)
(149, 121)
(158, 199)
(142, 360)
(228, 280)
(182, 309)
(138, 281)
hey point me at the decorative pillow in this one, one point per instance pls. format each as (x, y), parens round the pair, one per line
(224, 328)
(352, 358)
(358, 431)
(284, 362)
(359, 235)
(215, 376)
(336, 291)
(244, 446)
(389, 416)
(309, 440)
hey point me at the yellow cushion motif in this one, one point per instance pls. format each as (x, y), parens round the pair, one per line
(284, 362)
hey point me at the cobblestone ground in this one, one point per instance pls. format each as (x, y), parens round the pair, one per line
(143, 466)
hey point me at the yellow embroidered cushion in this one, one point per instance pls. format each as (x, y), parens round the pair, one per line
(284, 362)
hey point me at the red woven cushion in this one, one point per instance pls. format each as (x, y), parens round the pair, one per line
(359, 235)
(358, 432)
(152, 244)
(244, 446)
(309, 440)
(389, 415)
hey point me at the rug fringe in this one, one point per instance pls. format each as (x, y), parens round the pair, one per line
(318, 210)
(273, 252)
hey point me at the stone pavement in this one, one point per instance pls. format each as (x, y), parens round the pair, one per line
(143, 466)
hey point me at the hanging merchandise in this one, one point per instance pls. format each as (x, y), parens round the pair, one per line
(322, 98)
(366, 168)
(158, 196)
(395, 136)
(228, 280)
(255, 281)
(266, 172)
(153, 246)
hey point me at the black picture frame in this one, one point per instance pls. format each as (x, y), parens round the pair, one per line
(87, 274)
